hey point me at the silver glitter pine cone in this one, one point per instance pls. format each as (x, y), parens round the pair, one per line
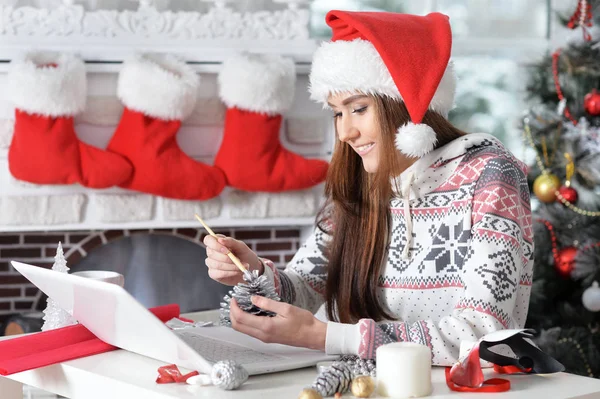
(360, 366)
(228, 375)
(336, 378)
(243, 292)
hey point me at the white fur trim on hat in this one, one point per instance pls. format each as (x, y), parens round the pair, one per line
(48, 83)
(348, 66)
(158, 85)
(415, 140)
(262, 83)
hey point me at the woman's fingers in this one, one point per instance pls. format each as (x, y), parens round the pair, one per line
(221, 257)
(213, 244)
(247, 323)
(232, 244)
(280, 308)
(215, 264)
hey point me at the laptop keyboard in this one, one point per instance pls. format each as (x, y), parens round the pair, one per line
(214, 350)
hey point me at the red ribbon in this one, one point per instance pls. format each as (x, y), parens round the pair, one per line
(559, 92)
(170, 373)
(491, 385)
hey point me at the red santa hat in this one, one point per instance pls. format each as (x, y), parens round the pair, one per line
(401, 56)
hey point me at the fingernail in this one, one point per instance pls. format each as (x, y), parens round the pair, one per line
(224, 250)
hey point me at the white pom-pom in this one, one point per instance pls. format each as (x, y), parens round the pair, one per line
(415, 140)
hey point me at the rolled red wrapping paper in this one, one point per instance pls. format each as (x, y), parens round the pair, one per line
(59, 345)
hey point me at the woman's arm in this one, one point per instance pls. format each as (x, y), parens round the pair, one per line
(496, 274)
(302, 283)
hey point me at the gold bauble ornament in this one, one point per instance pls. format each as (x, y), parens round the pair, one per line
(362, 386)
(309, 393)
(545, 186)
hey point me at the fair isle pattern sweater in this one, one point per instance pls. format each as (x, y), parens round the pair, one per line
(469, 264)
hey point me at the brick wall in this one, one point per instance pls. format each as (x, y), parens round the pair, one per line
(18, 295)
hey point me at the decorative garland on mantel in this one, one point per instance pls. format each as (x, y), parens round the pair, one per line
(218, 30)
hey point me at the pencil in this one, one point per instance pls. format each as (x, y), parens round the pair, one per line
(233, 258)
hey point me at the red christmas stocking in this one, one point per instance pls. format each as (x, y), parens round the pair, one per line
(257, 89)
(48, 89)
(158, 92)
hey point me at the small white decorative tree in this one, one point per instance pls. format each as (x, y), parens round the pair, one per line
(54, 315)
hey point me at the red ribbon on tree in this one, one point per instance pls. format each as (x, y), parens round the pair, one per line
(559, 92)
(582, 17)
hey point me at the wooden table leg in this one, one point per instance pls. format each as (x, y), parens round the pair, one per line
(11, 389)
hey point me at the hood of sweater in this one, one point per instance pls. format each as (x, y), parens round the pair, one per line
(433, 169)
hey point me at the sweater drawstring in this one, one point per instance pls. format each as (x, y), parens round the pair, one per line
(407, 216)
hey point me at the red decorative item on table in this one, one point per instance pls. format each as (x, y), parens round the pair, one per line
(467, 374)
(171, 373)
(591, 102)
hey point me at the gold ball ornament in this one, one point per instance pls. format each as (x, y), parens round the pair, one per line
(309, 393)
(545, 186)
(362, 386)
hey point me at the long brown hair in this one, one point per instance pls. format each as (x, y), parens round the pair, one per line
(358, 208)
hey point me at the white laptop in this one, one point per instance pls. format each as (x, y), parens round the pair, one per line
(115, 317)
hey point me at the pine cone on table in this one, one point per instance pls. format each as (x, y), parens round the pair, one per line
(336, 378)
(360, 366)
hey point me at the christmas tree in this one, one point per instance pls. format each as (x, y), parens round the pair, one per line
(563, 127)
(54, 315)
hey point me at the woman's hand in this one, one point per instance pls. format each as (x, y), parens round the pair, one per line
(292, 325)
(220, 267)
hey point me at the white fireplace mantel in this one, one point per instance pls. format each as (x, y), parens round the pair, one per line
(203, 38)
(110, 35)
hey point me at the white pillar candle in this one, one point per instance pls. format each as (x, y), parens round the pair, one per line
(403, 370)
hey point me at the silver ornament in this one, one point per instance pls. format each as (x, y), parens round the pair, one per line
(591, 298)
(336, 378)
(360, 366)
(243, 292)
(228, 375)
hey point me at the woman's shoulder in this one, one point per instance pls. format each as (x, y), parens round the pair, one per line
(486, 151)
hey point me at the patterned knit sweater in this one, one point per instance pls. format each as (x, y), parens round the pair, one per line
(460, 259)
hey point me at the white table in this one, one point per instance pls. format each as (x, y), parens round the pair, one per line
(121, 374)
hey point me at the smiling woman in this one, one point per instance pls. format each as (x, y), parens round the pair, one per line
(356, 125)
(426, 232)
